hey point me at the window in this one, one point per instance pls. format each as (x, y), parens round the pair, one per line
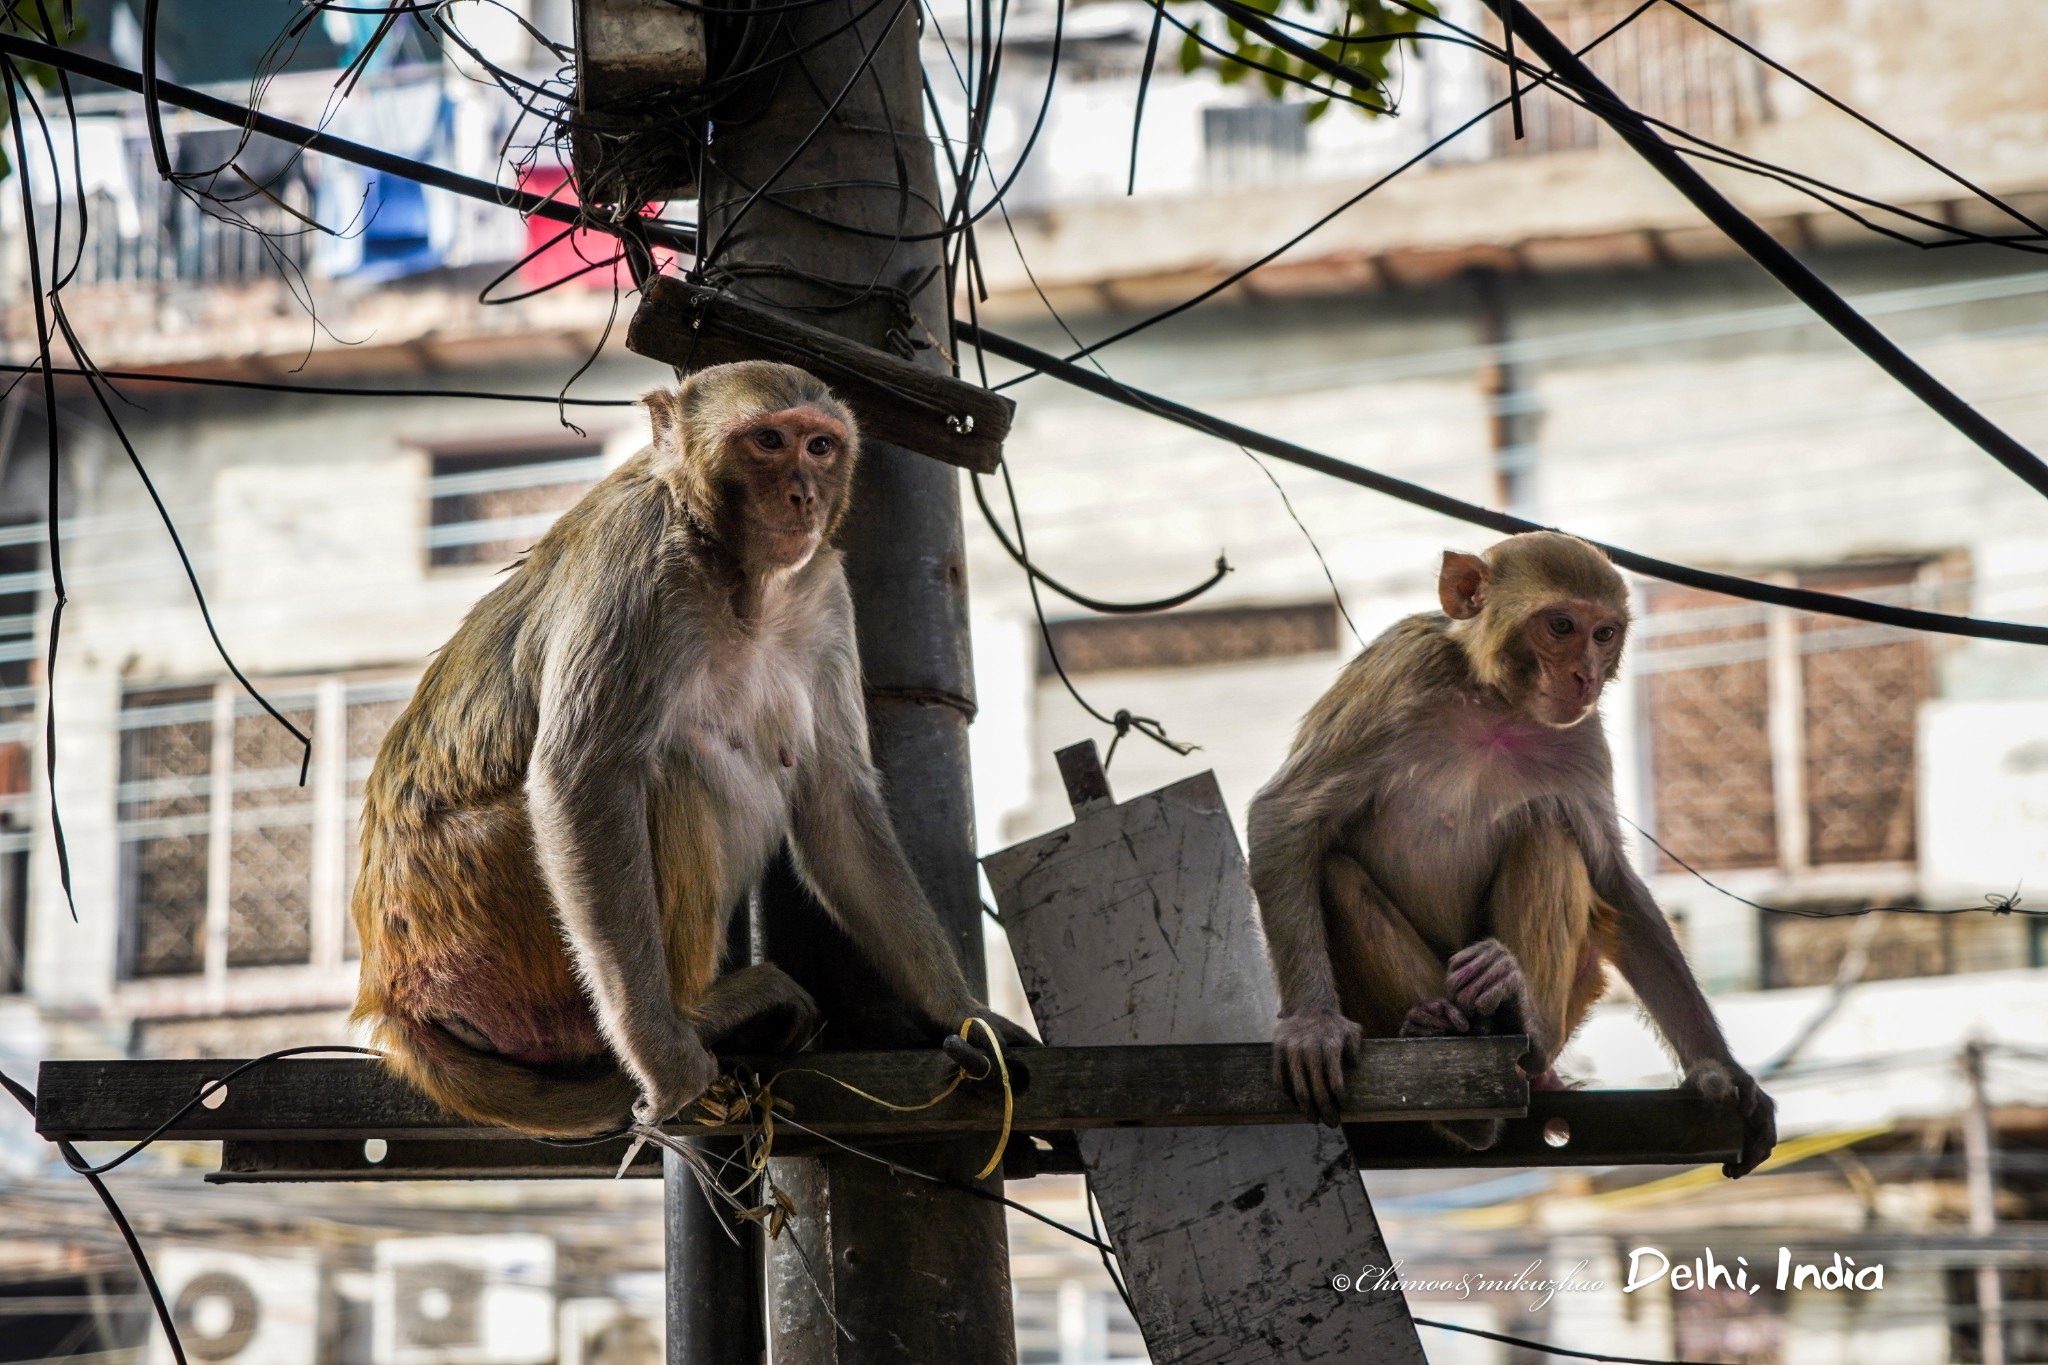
(1810, 952)
(1187, 639)
(226, 861)
(488, 507)
(1243, 142)
(1782, 740)
(1663, 63)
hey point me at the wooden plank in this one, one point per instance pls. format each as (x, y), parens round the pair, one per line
(948, 419)
(1058, 1088)
(1604, 1127)
(1133, 926)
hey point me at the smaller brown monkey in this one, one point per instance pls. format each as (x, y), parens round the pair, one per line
(1440, 852)
(603, 758)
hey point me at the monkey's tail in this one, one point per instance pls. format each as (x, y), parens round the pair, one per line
(567, 1102)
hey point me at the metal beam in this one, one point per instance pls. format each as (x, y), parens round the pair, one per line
(1601, 1128)
(1201, 1085)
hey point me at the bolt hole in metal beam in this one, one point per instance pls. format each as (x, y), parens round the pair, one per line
(213, 1098)
(1557, 1133)
(375, 1150)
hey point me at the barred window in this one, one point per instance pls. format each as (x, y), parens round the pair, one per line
(1809, 952)
(1785, 746)
(1708, 690)
(488, 507)
(1663, 63)
(166, 823)
(1187, 639)
(226, 860)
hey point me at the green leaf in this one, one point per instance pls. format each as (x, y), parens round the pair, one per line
(1190, 53)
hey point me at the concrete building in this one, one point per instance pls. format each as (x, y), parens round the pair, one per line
(1540, 325)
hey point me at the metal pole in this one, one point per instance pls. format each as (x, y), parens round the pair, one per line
(713, 1287)
(1983, 1188)
(807, 194)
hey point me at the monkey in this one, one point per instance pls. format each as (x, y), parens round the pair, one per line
(601, 761)
(1440, 852)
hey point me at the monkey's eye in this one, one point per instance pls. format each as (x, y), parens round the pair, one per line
(768, 438)
(821, 446)
(1604, 634)
(1561, 625)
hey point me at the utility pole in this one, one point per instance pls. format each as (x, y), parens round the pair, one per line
(1977, 1153)
(806, 196)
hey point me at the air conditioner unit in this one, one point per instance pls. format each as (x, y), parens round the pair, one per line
(465, 1301)
(608, 1332)
(236, 1309)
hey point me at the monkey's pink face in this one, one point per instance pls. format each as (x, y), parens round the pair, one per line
(1577, 645)
(794, 464)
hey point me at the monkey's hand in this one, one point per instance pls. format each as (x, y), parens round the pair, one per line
(1727, 1083)
(1310, 1052)
(1012, 1033)
(672, 1069)
(1483, 977)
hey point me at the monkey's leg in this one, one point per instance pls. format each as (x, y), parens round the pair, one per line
(1542, 907)
(1389, 980)
(762, 992)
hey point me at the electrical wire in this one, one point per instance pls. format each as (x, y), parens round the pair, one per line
(1801, 599)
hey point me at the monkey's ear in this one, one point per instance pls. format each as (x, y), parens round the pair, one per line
(1461, 586)
(664, 414)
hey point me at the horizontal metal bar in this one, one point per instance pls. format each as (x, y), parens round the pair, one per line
(1056, 1088)
(1600, 1128)
(1571, 1128)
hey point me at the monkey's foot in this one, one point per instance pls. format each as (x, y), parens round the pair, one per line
(1548, 1079)
(1483, 977)
(1435, 1019)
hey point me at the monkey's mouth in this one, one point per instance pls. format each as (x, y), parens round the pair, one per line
(792, 543)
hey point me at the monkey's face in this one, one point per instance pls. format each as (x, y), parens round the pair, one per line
(789, 471)
(1576, 647)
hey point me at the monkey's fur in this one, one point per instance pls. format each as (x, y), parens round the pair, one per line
(1440, 852)
(600, 762)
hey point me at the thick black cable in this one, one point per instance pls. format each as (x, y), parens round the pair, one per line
(1842, 107)
(1573, 73)
(1799, 599)
(1763, 248)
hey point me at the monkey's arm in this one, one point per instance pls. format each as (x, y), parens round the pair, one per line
(1649, 959)
(586, 793)
(1292, 824)
(847, 850)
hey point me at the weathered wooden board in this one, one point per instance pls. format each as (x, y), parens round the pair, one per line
(1054, 1088)
(1135, 925)
(948, 419)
